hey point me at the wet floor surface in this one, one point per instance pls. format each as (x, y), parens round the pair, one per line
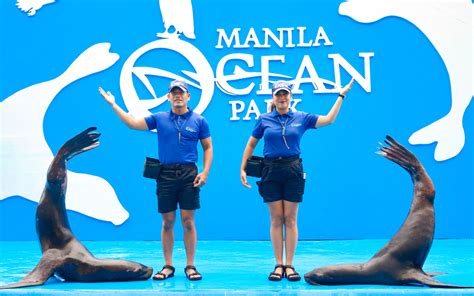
(238, 268)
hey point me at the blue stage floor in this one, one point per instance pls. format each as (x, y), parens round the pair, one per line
(238, 268)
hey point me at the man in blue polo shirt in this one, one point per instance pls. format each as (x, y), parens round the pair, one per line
(179, 182)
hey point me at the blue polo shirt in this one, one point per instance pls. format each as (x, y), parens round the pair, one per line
(270, 127)
(172, 149)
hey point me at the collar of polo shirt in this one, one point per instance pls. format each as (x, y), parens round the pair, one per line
(275, 113)
(174, 115)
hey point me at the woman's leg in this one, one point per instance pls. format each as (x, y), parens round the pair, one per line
(290, 214)
(276, 231)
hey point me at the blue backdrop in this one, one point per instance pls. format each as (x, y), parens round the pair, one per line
(351, 192)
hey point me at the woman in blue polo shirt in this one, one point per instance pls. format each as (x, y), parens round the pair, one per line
(282, 182)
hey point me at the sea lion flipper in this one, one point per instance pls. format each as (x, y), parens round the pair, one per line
(432, 274)
(427, 280)
(63, 253)
(395, 152)
(41, 273)
(86, 140)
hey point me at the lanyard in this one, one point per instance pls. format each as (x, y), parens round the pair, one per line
(176, 121)
(283, 130)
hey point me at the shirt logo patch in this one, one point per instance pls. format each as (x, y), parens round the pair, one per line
(190, 129)
(295, 124)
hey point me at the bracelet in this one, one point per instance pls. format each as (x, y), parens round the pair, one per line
(342, 96)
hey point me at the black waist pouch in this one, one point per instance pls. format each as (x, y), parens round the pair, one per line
(254, 166)
(152, 168)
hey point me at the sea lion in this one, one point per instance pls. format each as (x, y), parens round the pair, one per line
(401, 260)
(63, 253)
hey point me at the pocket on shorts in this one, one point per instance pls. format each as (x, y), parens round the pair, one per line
(259, 186)
(301, 186)
(297, 170)
(265, 170)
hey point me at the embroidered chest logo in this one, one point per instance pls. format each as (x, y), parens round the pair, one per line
(190, 129)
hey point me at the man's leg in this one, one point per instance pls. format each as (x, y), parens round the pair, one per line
(189, 202)
(167, 238)
(190, 235)
(190, 238)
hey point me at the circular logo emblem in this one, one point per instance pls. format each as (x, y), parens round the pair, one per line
(202, 78)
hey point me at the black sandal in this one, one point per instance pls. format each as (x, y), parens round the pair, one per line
(165, 276)
(292, 277)
(276, 277)
(194, 276)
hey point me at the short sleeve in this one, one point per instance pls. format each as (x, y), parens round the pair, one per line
(258, 129)
(204, 131)
(310, 120)
(151, 122)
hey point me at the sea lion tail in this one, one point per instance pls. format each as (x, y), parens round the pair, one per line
(432, 274)
(48, 264)
(427, 280)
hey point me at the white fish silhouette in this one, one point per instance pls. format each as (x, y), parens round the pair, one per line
(448, 26)
(31, 6)
(25, 154)
(179, 14)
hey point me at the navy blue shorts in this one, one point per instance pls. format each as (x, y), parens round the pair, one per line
(175, 186)
(282, 179)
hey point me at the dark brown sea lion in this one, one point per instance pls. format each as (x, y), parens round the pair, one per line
(63, 253)
(401, 260)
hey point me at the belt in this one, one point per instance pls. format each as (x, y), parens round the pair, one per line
(178, 166)
(274, 160)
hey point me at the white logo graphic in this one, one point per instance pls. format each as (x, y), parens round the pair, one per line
(179, 14)
(24, 171)
(448, 26)
(31, 6)
(190, 129)
(295, 124)
(25, 154)
(202, 77)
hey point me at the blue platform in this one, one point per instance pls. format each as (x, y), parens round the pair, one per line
(238, 268)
